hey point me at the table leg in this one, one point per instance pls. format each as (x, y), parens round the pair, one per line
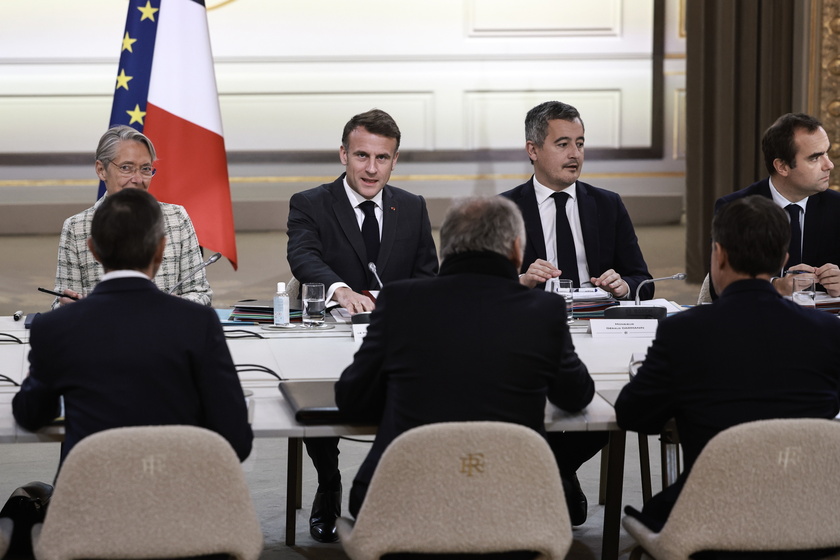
(615, 487)
(294, 483)
(644, 467)
(602, 485)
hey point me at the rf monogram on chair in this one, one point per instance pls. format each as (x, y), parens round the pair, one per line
(473, 462)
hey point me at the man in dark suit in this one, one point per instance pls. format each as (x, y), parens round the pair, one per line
(420, 364)
(130, 354)
(751, 355)
(796, 157)
(574, 230)
(335, 231)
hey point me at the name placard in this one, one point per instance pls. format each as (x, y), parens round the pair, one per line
(359, 331)
(623, 328)
(360, 323)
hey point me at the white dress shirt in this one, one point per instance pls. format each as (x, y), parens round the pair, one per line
(355, 201)
(548, 219)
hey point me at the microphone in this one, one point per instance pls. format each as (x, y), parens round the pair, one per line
(199, 268)
(372, 268)
(678, 276)
(637, 311)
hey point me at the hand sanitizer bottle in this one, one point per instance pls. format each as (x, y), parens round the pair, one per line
(281, 305)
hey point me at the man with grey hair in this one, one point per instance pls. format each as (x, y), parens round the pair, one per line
(125, 159)
(488, 349)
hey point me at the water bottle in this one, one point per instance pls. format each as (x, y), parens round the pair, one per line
(281, 305)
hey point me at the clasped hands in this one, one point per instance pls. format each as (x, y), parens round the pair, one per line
(828, 275)
(541, 271)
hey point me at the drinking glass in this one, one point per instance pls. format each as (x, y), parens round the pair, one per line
(314, 305)
(804, 291)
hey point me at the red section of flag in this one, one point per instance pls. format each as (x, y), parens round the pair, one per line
(192, 172)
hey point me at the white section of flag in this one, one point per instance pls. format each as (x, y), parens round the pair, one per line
(183, 80)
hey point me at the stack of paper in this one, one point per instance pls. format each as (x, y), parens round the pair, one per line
(258, 311)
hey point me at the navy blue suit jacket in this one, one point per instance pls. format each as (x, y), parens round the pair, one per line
(420, 364)
(750, 355)
(608, 234)
(326, 245)
(821, 234)
(131, 355)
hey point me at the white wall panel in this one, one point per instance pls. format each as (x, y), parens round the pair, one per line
(52, 124)
(503, 18)
(78, 30)
(289, 71)
(315, 121)
(497, 120)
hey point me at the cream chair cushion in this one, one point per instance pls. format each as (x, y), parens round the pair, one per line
(150, 492)
(462, 487)
(760, 486)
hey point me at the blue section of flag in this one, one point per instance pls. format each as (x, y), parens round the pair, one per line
(137, 48)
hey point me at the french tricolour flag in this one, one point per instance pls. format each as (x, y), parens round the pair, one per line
(166, 88)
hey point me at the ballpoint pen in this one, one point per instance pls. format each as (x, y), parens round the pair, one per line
(56, 294)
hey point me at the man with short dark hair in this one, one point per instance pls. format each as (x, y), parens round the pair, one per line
(335, 231)
(575, 231)
(750, 355)
(130, 354)
(420, 364)
(796, 156)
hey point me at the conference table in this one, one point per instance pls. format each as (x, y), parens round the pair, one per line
(262, 355)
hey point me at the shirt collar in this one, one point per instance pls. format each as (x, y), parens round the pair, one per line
(356, 199)
(782, 201)
(114, 274)
(543, 192)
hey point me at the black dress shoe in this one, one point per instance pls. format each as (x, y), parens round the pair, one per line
(575, 500)
(325, 510)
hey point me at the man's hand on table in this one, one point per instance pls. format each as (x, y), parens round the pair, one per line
(352, 301)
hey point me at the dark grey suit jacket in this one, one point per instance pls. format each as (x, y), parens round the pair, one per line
(326, 245)
(471, 344)
(751, 355)
(131, 355)
(608, 234)
(821, 234)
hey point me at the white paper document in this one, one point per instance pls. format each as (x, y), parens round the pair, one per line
(582, 294)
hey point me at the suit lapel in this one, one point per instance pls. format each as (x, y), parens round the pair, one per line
(390, 218)
(811, 235)
(346, 217)
(588, 212)
(533, 224)
(813, 218)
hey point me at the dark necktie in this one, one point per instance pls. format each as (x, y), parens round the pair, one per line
(795, 250)
(566, 255)
(370, 230)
